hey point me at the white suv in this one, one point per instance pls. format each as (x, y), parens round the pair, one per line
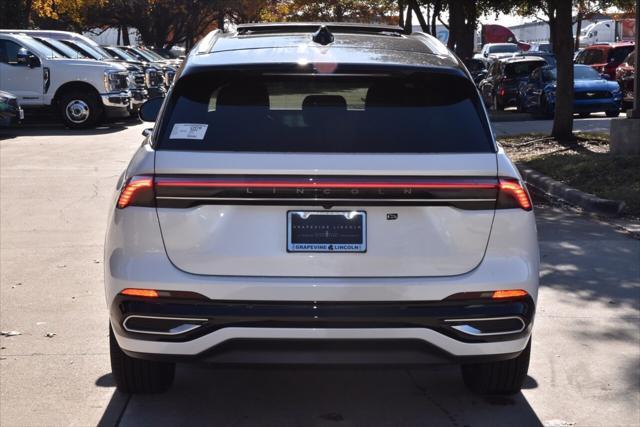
(321, 195)
(82, 91)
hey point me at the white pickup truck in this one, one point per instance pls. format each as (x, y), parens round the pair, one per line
(82, 91)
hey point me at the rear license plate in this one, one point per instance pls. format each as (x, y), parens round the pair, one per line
(334, 231)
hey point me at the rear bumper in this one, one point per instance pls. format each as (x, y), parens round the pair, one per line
(241, 309)
(316, 332)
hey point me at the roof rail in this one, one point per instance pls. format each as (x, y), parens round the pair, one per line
(312, 27)
(435, 45)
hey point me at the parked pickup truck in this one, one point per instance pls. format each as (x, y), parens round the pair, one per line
(81, 91)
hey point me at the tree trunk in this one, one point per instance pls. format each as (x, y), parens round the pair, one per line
(413, 4)
(456, 21)
(408, 21)
(125, 35)
(401, 13)
(462, 26)
(563, 48)
(220, 19)
(437, 7)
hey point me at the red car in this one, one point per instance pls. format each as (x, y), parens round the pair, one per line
(624, 76)
(605, 58)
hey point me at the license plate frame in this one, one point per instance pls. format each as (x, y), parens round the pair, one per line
(354, 245)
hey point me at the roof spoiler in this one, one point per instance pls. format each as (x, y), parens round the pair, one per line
(312, 27)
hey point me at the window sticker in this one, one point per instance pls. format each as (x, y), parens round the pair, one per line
(188, 131)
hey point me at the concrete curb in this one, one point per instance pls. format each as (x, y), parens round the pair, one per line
(562, 192)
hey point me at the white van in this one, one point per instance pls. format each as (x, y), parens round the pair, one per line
(82, 91)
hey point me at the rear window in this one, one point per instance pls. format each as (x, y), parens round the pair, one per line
(618, 54)
(420, 113)
(503, 48)
(522, 69)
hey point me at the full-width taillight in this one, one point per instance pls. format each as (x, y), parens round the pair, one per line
(138, 191)
(512, 194)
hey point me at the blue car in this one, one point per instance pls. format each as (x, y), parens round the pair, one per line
(592, 93)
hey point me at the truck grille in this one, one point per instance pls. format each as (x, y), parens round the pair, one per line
(120, 81)
(598, 94)
(138, 80)
(153, 78)
(168, 77)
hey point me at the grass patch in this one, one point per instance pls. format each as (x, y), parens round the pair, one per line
(585, 165)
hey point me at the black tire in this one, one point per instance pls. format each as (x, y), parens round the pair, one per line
(613, 113)
(80, 110)
(503, 377)
(137, 375)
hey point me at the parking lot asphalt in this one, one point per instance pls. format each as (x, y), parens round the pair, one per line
(55, 189)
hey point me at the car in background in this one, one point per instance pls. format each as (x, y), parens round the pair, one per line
(541, 47)
(606, 57)
(174, 53)
(168, 67)
(10, 111)
(73, 49)
(500, 88)
(81, 91)
(152, 78)
(624, 76)
(478, 68)
(497, 50)
(76, 46)
(547, 56)
(592, 93)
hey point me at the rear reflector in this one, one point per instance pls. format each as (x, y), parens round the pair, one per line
(512, 293)
(513, 195)
(147, 293)
(137, 192)
(495, 295)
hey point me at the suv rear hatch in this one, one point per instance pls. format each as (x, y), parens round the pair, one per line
(248, 163)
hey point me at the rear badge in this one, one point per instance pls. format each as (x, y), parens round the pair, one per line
(392, 216)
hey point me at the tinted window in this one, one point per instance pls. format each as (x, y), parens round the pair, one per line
(422, 113)
(9, 52)
(522, 69)
(593, 56)
(618, 54)
(585, 73)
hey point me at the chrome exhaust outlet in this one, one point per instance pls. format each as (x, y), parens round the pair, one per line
(156, 325)
(488, 326)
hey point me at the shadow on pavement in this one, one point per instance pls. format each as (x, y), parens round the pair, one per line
(587, 262)
(594, 265)
(308, 396)
(49, 126)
